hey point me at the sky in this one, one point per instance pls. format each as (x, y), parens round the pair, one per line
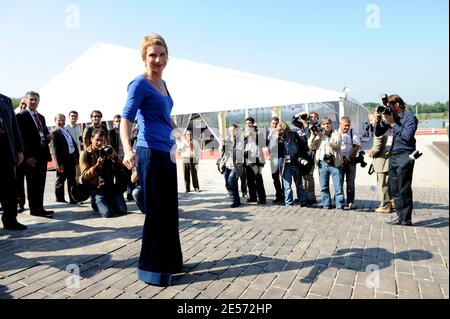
(372, 47)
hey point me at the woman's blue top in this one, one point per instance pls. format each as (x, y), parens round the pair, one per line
(153, 114)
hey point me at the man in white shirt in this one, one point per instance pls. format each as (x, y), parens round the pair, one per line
(351, 145)
(75, 131)
(74, 128)
(190, 152)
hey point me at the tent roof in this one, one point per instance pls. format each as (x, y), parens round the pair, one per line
(98, 79)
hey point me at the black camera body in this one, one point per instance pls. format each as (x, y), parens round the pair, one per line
(329, 159)
(384, 110)
(281, 136)
(316, 128)
(415, 155)
(360, 159)
(304, 117)
(104, 151)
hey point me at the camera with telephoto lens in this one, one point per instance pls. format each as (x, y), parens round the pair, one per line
(304, 116)
(105, 151)
(415, 155)
(360, 159)
(384, 110)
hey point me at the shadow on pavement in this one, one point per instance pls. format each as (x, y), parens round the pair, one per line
(248, 265)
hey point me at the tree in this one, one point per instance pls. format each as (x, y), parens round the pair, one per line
(15, 102)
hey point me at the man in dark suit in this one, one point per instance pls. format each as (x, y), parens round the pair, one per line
(36, 138)
(114, 136)
(65, 154)
(11, 156)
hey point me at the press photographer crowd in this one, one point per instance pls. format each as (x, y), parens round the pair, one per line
(91, 161)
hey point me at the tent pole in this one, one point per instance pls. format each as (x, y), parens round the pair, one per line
(222, 120)
(341, 108)
(276, 111)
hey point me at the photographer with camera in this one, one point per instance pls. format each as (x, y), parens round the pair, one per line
(254, 162)
(232, 148)
(380, 165)
(329, 160)
(351, 154)
(102, 168)
(305, 123)
(272, 145)
(294, 161)
(402, 154)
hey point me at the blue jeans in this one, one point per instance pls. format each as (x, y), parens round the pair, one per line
(231, 182)
(400, 180)
(325, 171)
(138, 197)
(293, 171)
(108, 202)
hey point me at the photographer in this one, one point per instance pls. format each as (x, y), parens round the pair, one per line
(233, 157)
(272, 145)
(329, 160)
(401, 154)
(305, 123)
(380, 165)
(102, 168)
(254, 162)
(351, 146)
(294, 161)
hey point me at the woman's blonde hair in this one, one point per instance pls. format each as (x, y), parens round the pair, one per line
(283, 127)
(152, 39)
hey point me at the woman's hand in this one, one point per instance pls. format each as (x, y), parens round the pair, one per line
(129, 160)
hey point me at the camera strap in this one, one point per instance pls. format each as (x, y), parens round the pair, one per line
(351, 137)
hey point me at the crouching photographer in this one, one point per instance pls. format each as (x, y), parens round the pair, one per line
(102, 169)
(329, 160)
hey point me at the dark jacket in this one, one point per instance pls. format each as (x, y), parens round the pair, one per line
(60, 149)
(11, 127)
(31, 137)
(302, 154)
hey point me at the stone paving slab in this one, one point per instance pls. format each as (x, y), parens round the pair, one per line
(253, 251)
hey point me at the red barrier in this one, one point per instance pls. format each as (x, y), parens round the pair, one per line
(431, 131)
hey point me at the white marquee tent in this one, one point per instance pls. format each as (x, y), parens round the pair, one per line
(98, 79)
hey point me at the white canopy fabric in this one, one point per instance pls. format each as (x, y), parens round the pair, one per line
(98, 80)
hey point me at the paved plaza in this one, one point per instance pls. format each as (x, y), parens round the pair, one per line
(253, 251)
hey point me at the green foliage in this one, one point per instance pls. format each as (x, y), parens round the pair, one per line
(15, 102)
(426, 116)
(436, 107)
(424, 110)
